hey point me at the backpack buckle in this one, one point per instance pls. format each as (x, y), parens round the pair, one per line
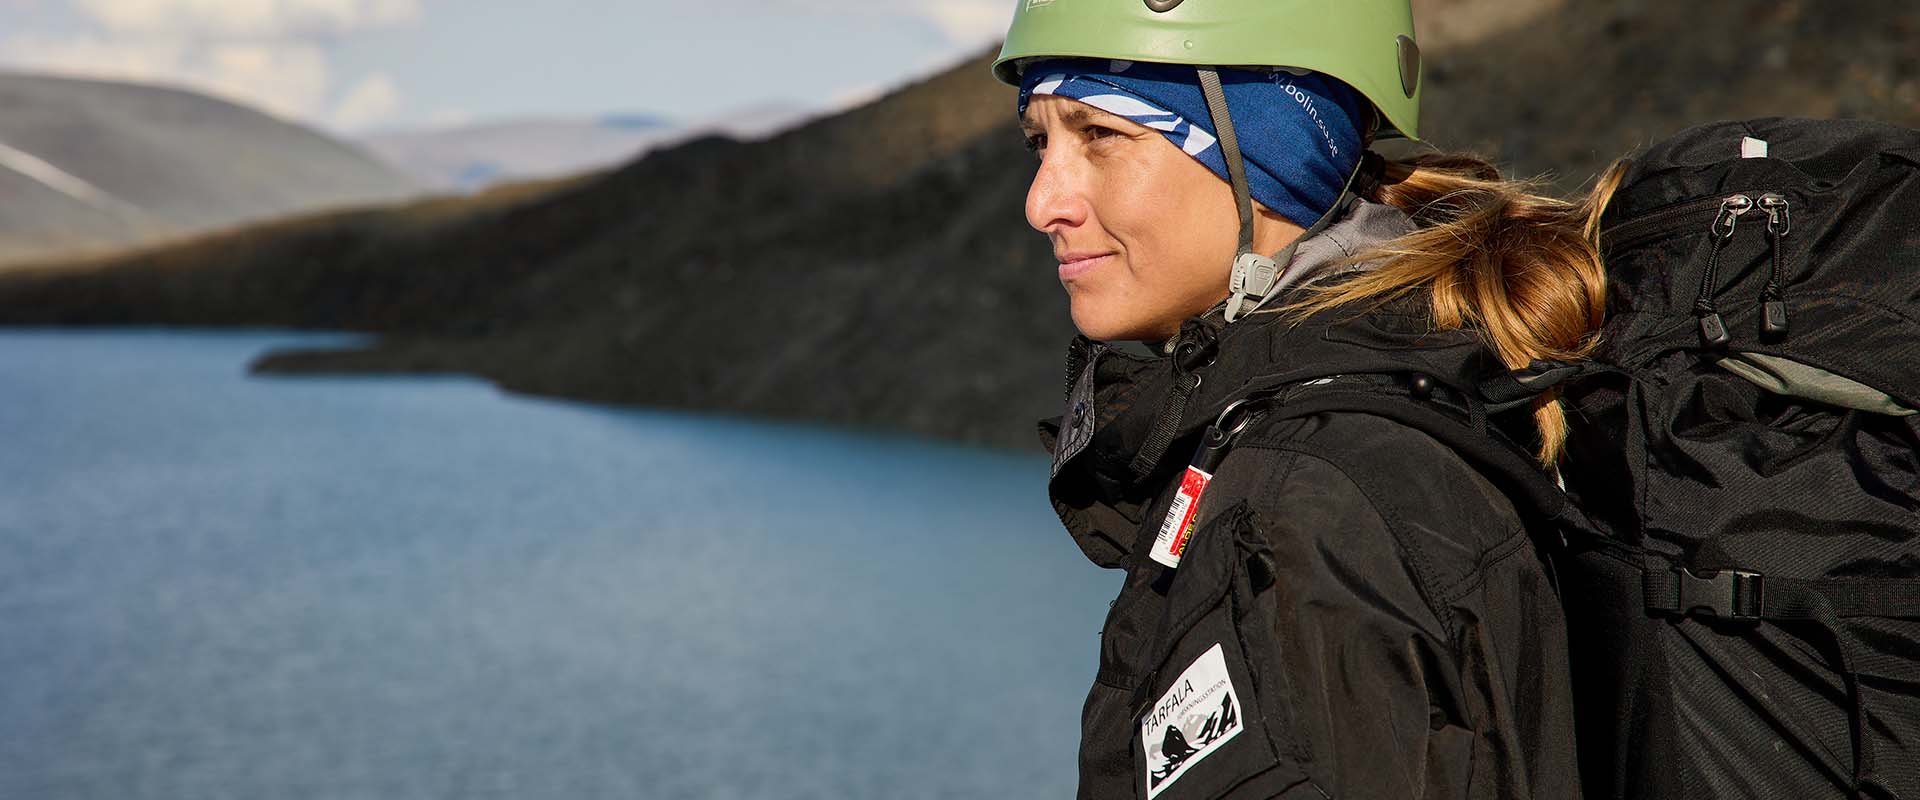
(1734, 594)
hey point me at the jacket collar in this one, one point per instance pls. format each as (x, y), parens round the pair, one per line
(1117, 398)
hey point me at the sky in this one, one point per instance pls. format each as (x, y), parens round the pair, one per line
(355, 66)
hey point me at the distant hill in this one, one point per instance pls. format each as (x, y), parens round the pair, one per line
(86, 163)
(873, 267)
(468, 157)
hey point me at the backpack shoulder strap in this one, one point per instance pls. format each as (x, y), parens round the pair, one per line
(1455, 418)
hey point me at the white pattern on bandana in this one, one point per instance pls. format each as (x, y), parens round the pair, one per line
(1194, 141)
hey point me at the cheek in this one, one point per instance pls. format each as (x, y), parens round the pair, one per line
(1174, 223)
(1189, 227)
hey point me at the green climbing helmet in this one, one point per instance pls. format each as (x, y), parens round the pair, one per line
(1368, 44)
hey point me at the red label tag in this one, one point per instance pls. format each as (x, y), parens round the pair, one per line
(1177, 530)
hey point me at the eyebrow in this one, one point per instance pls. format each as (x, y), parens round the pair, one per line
(1078, 115)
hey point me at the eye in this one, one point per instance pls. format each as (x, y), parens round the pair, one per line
(1098, 132)
(1036, 142)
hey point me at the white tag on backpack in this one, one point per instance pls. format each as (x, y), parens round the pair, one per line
(1194, 718)
(1753, 148)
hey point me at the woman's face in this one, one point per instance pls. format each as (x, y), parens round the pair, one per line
(1145, 235)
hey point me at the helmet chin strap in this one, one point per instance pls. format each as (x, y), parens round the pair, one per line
(1254, 275)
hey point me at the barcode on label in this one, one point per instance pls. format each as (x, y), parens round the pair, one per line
(1171, 542)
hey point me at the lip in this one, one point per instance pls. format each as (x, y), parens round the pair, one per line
(1074, 265)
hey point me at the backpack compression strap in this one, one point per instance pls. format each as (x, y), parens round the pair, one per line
(1747, 596)
(1454, 418)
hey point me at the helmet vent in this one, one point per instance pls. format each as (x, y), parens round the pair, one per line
(1163, 5)
(1409, 62)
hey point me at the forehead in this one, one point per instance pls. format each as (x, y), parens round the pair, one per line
(1064, 110)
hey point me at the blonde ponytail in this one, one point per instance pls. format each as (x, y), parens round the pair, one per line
(1494, 255)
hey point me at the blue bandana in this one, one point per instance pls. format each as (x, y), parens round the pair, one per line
(1298, 133)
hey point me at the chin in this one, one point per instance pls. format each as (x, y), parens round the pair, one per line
(1113, 328)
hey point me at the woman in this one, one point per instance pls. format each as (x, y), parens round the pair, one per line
(1325, 600)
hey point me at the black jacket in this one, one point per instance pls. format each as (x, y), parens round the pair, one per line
(1360, 612)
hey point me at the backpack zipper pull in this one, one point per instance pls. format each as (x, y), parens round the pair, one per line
(1773, 316)
(1713, 330)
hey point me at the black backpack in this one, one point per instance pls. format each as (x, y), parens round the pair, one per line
(1737, 543)
(1747, 625)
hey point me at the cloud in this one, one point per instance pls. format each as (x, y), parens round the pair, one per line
(962, 22)
(857, 95)
(248, 19)
(274, 55)
(150, 60)
(371, 101)
(448, 117)
(969, 22)
(287, 78)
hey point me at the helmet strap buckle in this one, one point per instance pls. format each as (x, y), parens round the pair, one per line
(1253, 275)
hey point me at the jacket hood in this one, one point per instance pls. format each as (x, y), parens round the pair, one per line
(1115, 399)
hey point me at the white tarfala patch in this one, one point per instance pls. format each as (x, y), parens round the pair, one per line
(1194, 718)
(1753, 148)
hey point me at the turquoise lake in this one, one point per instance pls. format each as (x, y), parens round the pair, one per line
(221, 586)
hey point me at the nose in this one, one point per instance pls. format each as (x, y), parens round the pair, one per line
(1056, 199)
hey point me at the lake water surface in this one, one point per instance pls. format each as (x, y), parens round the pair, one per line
(216, 586)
